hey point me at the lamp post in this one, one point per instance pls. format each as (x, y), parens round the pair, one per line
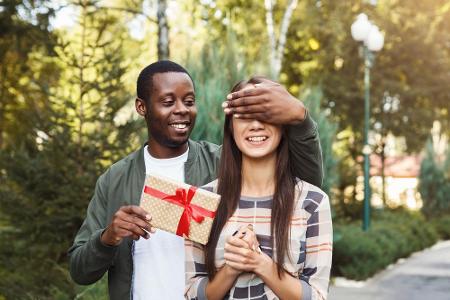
(372, 41)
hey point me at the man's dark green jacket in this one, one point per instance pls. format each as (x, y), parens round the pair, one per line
(122, 185)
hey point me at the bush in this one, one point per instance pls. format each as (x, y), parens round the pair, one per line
(442, 226)
(434, 181)
(393, 235)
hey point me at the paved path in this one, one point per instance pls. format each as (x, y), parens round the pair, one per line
(423, 276)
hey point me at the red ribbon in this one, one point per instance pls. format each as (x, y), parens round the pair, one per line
(183, 199)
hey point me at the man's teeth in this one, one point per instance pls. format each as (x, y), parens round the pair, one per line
(179, 126)
(257, 138)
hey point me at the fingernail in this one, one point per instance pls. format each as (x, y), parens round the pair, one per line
(237, 116)
(225, 104)
(229, 97)
(148, 217)
(226, 110)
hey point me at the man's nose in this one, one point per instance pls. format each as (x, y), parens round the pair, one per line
(180, 107)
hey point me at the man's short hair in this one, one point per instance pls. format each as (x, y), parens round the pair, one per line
(144, 84)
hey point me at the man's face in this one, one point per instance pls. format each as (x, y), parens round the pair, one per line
(171, 109)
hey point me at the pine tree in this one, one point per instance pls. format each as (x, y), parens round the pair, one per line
(50, 175)
(434, 181)
(313, 97)
(214, 71)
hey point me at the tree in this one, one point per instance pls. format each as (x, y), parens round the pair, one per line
(163, 30)
(434, 179)
(214, 71)
(321, 50)
(277, 46)
(313, 97)
(22, 39)
(50, 173)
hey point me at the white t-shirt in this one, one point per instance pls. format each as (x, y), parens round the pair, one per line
(159, 261)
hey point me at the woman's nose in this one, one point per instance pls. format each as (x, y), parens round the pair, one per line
(256, 125)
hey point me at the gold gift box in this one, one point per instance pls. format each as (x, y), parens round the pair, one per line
(165, 200)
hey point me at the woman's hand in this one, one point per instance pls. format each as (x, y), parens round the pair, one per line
(242, 253)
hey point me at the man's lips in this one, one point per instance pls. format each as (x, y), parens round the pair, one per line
(180, 125)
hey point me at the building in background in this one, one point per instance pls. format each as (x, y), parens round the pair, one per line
(401, 181)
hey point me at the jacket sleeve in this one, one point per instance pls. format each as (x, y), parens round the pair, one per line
(305, 151)
(89, 257)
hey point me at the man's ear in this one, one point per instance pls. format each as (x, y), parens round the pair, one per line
(141, 108)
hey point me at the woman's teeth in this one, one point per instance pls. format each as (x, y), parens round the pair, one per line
(257, 138)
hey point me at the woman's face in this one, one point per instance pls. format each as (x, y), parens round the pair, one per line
(256, 139)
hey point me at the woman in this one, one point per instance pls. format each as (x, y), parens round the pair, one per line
(262, 205)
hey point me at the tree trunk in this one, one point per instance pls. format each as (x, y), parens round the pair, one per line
(2, 104)
(163, 30)
(277, 47)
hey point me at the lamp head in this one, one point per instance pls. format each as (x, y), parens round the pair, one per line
(360, 28)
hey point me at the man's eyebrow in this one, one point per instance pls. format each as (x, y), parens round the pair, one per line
(162, 96)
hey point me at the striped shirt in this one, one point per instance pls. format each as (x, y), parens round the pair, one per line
(309, 247)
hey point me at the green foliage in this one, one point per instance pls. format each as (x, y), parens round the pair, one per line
(71, 132)
(393, 235)
(327, 132)
(97, 291)
(215, 71)
(434, 182)
(442, 226)
(321, 50)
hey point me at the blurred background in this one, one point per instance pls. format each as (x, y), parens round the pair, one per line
(67, 87)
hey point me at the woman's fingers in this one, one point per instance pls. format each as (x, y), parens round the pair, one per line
(237, 242)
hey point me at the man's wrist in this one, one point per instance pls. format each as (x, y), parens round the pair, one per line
(298, 114)
(106, 240)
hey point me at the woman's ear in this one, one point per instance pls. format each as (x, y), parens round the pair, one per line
(141, 108)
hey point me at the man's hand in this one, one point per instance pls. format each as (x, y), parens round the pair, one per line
(129, 221)
(268, 102)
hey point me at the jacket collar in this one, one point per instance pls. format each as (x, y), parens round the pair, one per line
(140, 161)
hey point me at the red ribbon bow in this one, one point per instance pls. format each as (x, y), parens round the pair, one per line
(183, 199)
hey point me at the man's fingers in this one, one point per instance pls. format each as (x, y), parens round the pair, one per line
(260, 116)
(133, 229)
(246, 92)
(136, 210)
(245, 101)
(251, 109)
(134, 219)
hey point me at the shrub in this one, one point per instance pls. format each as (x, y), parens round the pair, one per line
(434, 181)
(393, 235)
(442, 226)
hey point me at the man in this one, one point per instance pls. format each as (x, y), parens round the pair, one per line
(115, 234)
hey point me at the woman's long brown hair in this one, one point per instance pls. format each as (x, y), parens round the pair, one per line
(229, 187)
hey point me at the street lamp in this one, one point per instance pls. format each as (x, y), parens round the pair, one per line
(372, 41)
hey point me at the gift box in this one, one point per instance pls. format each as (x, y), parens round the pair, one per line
(179, 208)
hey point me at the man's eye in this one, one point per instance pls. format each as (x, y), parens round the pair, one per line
(189, 101)
(168, 102)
